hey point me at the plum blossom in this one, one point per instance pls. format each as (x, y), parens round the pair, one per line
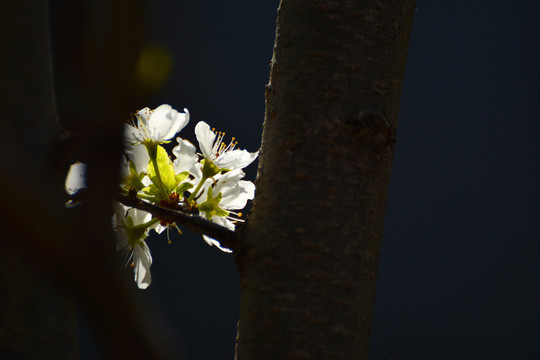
(132, 227)
(155, 126)
(210, 185)
(232, 194)
(225, 157)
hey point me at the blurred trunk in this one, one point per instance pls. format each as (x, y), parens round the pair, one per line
(36, 321)
(309, 252)
(47, 252)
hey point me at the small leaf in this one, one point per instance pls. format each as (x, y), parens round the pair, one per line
(166, 170)
(181, 176)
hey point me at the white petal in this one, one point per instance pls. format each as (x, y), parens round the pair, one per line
(185, 156)
(139, 216)
(139, 155)
(196, 171)
(76, 178)
(180, 121)
(144, 115)
(120, 211)
(146, 181)
(161, 121)
(165, 122)
(205, 137)
(123, 212)
(124, 168)
(121, 236)
(232, 176)
(142, 260)
(213, 242)
(235, 197)
(235, 159)
(158, 228)
(131, 134)
(203, 193)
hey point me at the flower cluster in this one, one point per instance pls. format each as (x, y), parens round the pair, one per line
(208, 183)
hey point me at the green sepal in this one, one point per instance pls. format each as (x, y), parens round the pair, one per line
(210, 207)
(183, 187)
(153, 193)
(134, 179)
(209, 169)
(137, 233)
(151, 147)
(221, 213)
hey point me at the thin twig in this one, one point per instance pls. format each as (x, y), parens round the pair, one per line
(195, 223)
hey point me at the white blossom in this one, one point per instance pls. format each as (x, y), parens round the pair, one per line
(222, 155)
(228, 193)
(132, 227)
(155, 126)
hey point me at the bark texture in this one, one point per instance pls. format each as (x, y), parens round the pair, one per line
(309, 252)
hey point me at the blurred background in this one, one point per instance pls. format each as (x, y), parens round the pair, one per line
(460, 262)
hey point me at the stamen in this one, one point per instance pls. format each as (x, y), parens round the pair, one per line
(219, 147)
(237, 217)
(127, 255)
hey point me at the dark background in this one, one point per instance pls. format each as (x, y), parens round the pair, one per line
(459, 269)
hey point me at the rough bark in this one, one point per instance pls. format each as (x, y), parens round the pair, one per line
(309, 252)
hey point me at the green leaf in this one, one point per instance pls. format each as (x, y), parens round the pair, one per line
(165, 169)
(181, 176)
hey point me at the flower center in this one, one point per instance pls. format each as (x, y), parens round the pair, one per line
(143, 133)
(220, 147)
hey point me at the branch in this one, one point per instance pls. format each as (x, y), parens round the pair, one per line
(193, 222)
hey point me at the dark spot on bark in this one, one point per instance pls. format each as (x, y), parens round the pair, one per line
(267, 90)
(300, 175)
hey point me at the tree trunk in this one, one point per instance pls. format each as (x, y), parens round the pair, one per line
(47, 251)
(36, 321)
(309, 251)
